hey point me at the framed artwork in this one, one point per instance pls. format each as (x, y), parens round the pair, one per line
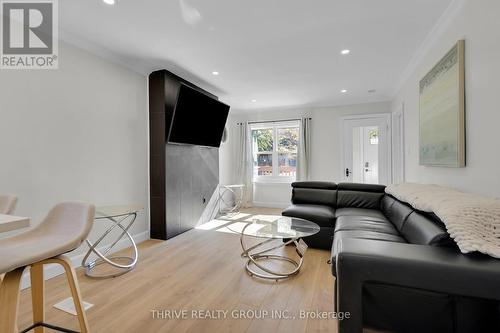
(442, 111)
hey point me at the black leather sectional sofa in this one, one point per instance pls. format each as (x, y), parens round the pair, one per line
(396, 268)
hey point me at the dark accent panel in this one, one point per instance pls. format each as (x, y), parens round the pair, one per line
(165, 173)
(158, 225)
(314, 196)
(361, 187)
(359, 199)
(192, 177)
(157, 176)
(156, 96)
(317, 185)
(157, 133)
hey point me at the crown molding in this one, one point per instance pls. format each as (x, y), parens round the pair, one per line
(102, 52)
(436, 32)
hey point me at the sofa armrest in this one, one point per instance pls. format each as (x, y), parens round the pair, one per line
(415, 266)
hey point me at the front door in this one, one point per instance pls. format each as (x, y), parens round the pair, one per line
(366, 149)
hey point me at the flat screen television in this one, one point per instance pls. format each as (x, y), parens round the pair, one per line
(198, 119)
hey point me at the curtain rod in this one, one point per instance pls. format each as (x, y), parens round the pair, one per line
(273, 121)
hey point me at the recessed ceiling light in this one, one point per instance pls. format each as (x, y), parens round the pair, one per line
(215, 73)
(345, 52)
(254, 100)
(109, 2)
(343, 91)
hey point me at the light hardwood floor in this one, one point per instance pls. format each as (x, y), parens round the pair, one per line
(198, 270)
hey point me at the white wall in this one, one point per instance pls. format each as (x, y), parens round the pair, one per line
(478, 23)
(325, 146)
(76, 133)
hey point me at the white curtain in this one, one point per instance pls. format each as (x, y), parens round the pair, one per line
(304, 156)
(244, 156)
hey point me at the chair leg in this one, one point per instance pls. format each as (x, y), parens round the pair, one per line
(75, 290)
(9, 301)
(37, 296)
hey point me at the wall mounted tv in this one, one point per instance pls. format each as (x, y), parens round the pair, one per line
(198, 119)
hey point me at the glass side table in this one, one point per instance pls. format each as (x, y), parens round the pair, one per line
(121, 217)
(237, 191)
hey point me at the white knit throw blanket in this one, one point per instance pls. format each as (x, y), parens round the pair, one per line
(473, 221)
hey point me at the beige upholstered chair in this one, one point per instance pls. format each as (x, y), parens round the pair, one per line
(63, 230)
(7, 204)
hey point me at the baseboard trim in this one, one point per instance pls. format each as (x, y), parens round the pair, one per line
(51, 271)
(271, 204)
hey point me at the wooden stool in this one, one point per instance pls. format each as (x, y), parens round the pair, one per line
(62, 231)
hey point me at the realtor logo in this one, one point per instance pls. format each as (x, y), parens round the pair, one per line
(29, 34)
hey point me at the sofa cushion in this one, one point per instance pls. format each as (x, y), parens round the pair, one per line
(324, 216)
(367, 234)
(420, 229)
(358, 199)
(398, 213)
(386, 204)
(346, 223)
(314, 196)
(360, 234)
(360, 212)
(322, 240)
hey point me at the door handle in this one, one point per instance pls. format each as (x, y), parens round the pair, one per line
(347, 172)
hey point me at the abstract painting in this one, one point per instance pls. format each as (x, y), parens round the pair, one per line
(442, 111)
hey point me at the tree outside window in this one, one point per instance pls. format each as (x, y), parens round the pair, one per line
(275, 147)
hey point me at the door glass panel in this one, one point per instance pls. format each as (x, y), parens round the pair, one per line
(365, 154)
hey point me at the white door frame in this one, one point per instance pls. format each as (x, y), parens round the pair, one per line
(398, 144)
(388, 118)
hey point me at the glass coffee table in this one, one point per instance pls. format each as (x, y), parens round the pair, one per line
(289, 229)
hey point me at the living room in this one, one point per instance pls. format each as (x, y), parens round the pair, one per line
(286, 166)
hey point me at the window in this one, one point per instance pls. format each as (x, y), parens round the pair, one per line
(275, 147)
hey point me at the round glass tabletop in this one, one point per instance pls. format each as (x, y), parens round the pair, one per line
(104, 212)
(284, 227)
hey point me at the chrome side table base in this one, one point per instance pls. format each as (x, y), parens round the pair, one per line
(237, 192)
(256, 258)
(103, 258)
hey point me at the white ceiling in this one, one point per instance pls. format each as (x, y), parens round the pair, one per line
(279, 52)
